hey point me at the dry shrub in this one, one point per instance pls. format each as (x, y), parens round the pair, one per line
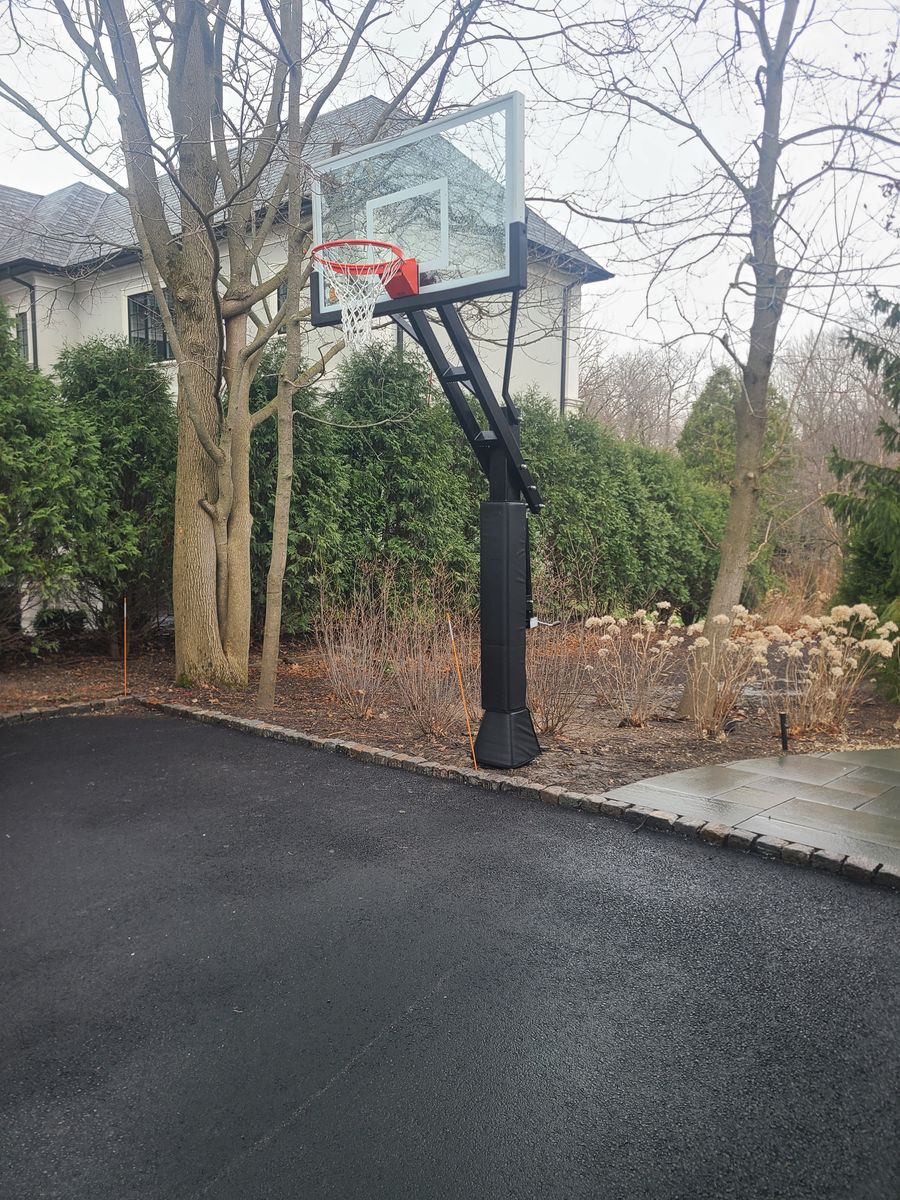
(555, 665)
(353, 642)
(421, 656)
(468, 645)
(818, 669)
(635, 656)
(721, 667)
(783, 608)
(554, 654)
(422, 669)
(802, 594)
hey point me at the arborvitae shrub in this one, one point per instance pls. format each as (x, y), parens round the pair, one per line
(125, 399)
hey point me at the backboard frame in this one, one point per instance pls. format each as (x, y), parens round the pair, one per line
(515, 275)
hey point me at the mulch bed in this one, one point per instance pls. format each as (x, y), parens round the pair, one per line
(594, 755)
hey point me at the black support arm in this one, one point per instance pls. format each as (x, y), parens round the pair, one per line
(418, 325)
(470, 373)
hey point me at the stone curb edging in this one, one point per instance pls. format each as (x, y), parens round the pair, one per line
(64, 710)
(857, 868)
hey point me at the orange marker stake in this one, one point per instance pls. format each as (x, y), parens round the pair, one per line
(462, 692)
(124, 645)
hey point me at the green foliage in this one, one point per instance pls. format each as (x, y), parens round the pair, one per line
(407, 502)
(383, 474)
(589, 533)
(378, 477)
(707, 441)
(870, 514)
(683, 561)
(50, 506)
(888, 679)
(624, 524)
(707, 447)
(60, 622)
(318, 496)
(123, 397)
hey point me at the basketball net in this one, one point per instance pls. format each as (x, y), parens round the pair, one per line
(356, 274)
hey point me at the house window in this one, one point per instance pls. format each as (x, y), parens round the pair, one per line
(145, 326)
(22, 334)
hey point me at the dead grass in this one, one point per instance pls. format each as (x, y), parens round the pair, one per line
(803, 594)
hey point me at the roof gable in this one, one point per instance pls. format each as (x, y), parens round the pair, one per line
(77, 227)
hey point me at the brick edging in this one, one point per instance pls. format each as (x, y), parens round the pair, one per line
(860, 870)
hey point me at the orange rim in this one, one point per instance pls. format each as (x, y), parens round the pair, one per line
(347, 268)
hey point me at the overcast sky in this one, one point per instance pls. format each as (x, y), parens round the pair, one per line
(568, 154)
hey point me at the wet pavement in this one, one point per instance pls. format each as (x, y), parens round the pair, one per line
(239, 969)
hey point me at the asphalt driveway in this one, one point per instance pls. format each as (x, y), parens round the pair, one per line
(238, 969)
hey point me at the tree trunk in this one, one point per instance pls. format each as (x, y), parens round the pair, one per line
(199, 573)
(771, 285)
(236, 618)
(198, 648)
(699, 694)
(199, 655)
(268, 672)
(278, 560)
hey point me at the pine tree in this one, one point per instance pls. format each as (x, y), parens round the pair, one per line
(870, 512)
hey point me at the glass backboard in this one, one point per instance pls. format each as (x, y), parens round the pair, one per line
(450, 194)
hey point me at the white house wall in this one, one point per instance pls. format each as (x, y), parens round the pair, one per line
(58, 313)
(70, 311)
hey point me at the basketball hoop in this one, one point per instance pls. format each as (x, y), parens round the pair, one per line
(357, 272)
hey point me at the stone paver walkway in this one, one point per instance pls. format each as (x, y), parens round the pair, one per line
(847, 802)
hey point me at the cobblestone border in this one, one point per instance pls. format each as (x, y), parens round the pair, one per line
(64, 710)
(860, 870)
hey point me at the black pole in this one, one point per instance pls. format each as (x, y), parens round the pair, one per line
(782, 721)
(506, 737)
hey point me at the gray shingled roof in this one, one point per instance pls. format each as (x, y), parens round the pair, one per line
(57, 230)
(14, 209)
(73, 229)
(562, 250)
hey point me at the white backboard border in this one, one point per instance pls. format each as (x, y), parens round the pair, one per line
(514, 274)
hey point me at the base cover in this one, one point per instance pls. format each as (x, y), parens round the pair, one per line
(506, 739)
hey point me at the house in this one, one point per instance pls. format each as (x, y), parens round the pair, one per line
(70, 269)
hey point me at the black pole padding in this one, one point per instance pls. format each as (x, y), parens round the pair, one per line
(506, 737)
(782, 720)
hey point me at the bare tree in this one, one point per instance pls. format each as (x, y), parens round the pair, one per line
(643, 395)
(834, 403)
(776, 136)
(179, 107)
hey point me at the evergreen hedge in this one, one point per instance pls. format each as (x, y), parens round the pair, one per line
(870, 511)
(123, 397)
(383, 474)
(51, 509)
